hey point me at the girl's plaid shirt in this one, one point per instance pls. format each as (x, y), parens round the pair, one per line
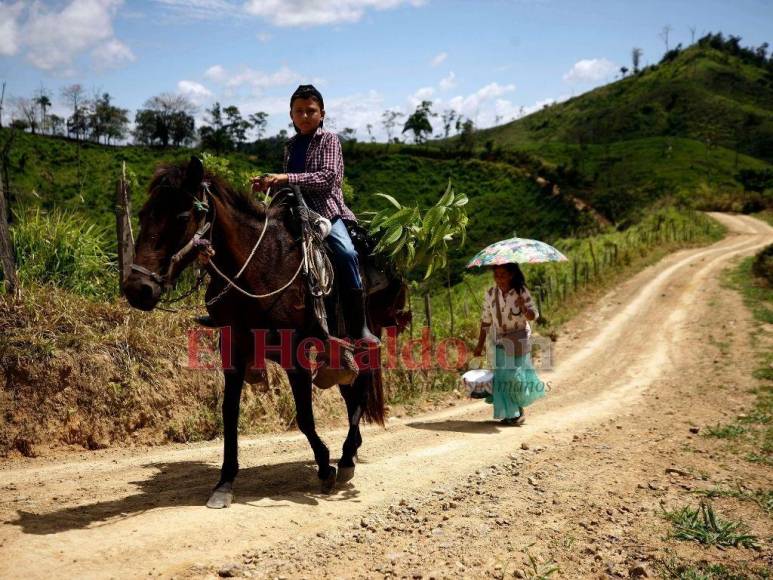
(321, 182)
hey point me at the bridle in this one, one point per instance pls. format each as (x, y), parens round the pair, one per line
(198, 242)
(201, 206)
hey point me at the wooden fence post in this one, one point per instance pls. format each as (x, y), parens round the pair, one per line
(124, 228)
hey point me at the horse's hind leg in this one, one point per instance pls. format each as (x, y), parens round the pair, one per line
(354, 395)
(300, 380)
(223, 493)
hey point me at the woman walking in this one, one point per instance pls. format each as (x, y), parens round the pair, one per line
(507, 311)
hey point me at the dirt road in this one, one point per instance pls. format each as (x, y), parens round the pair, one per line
(447, 494)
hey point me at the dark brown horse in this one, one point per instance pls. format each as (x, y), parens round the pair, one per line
(186, 204)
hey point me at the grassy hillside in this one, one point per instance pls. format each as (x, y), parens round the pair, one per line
(689, 127)
(56, 173)
(52, 172)
(703, 93)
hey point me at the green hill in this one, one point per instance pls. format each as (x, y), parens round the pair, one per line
(702, 93)
(51, 172)
(701, 119)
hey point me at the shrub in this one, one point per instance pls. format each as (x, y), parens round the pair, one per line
(762, 267)
(59, 248)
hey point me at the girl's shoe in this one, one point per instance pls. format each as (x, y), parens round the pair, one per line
(520, 419)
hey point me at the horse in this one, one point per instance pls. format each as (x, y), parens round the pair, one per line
(256, 290)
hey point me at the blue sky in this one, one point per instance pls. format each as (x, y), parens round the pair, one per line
(490, 59)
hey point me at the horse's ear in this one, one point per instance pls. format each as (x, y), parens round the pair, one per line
(194, 174)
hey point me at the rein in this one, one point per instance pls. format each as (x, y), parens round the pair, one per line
(202, 244)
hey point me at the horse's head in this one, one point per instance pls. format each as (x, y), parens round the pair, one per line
(176, 208)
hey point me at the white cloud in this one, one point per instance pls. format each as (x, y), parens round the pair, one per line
(439, 59)
(423, 94)
(259, 80)
(216, 73)
(470, 105)
(590, 70)
(356, 111)
(9, 28)
(112, 54)
(53, 38)
(447, 82)
(203, 9)
(196, 92)
(318, 12)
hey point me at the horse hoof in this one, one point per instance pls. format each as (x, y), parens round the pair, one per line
(222, 497)
(329, 483)
(345, 474)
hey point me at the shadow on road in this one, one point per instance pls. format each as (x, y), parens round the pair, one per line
(188, 483)
(458, 426)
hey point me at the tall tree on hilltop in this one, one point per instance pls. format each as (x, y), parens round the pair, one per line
(215, 134)
(43, 101)
(448, 117)
(389, 120)
(73, 96)
(418, 122)
(259, 122)
(165, 119)
(636, 58)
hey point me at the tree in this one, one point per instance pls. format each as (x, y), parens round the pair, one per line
(467, 135)
(636, 58)
(55, 124)
(235, 125)
(259, 122)
(623, 71)
(369, 128)
(43, 101)
(182, 128)
(106, 120)
(348, 135)
(74, 97)
(664, 34)
(419, 123)
(215, 134)
(166, 118)
(389, 119)
(448, 117)
(78, 123)
(26, 109)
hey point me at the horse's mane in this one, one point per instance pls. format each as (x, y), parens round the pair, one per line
(172, 176)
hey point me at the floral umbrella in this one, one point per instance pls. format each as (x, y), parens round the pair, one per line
(516, 250)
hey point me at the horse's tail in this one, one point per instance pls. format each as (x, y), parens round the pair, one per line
(375, 409)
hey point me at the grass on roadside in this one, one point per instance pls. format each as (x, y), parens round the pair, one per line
(724, 431)
(762, 497)
(678, 570)
(704, 526)
(757, 423)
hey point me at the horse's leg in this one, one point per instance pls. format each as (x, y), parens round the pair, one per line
(300, 380)
(234, 379)
(354, 395)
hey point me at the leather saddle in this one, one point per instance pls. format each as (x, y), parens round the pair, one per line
(376, 270)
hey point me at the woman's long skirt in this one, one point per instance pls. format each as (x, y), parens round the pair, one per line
(515, 384)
